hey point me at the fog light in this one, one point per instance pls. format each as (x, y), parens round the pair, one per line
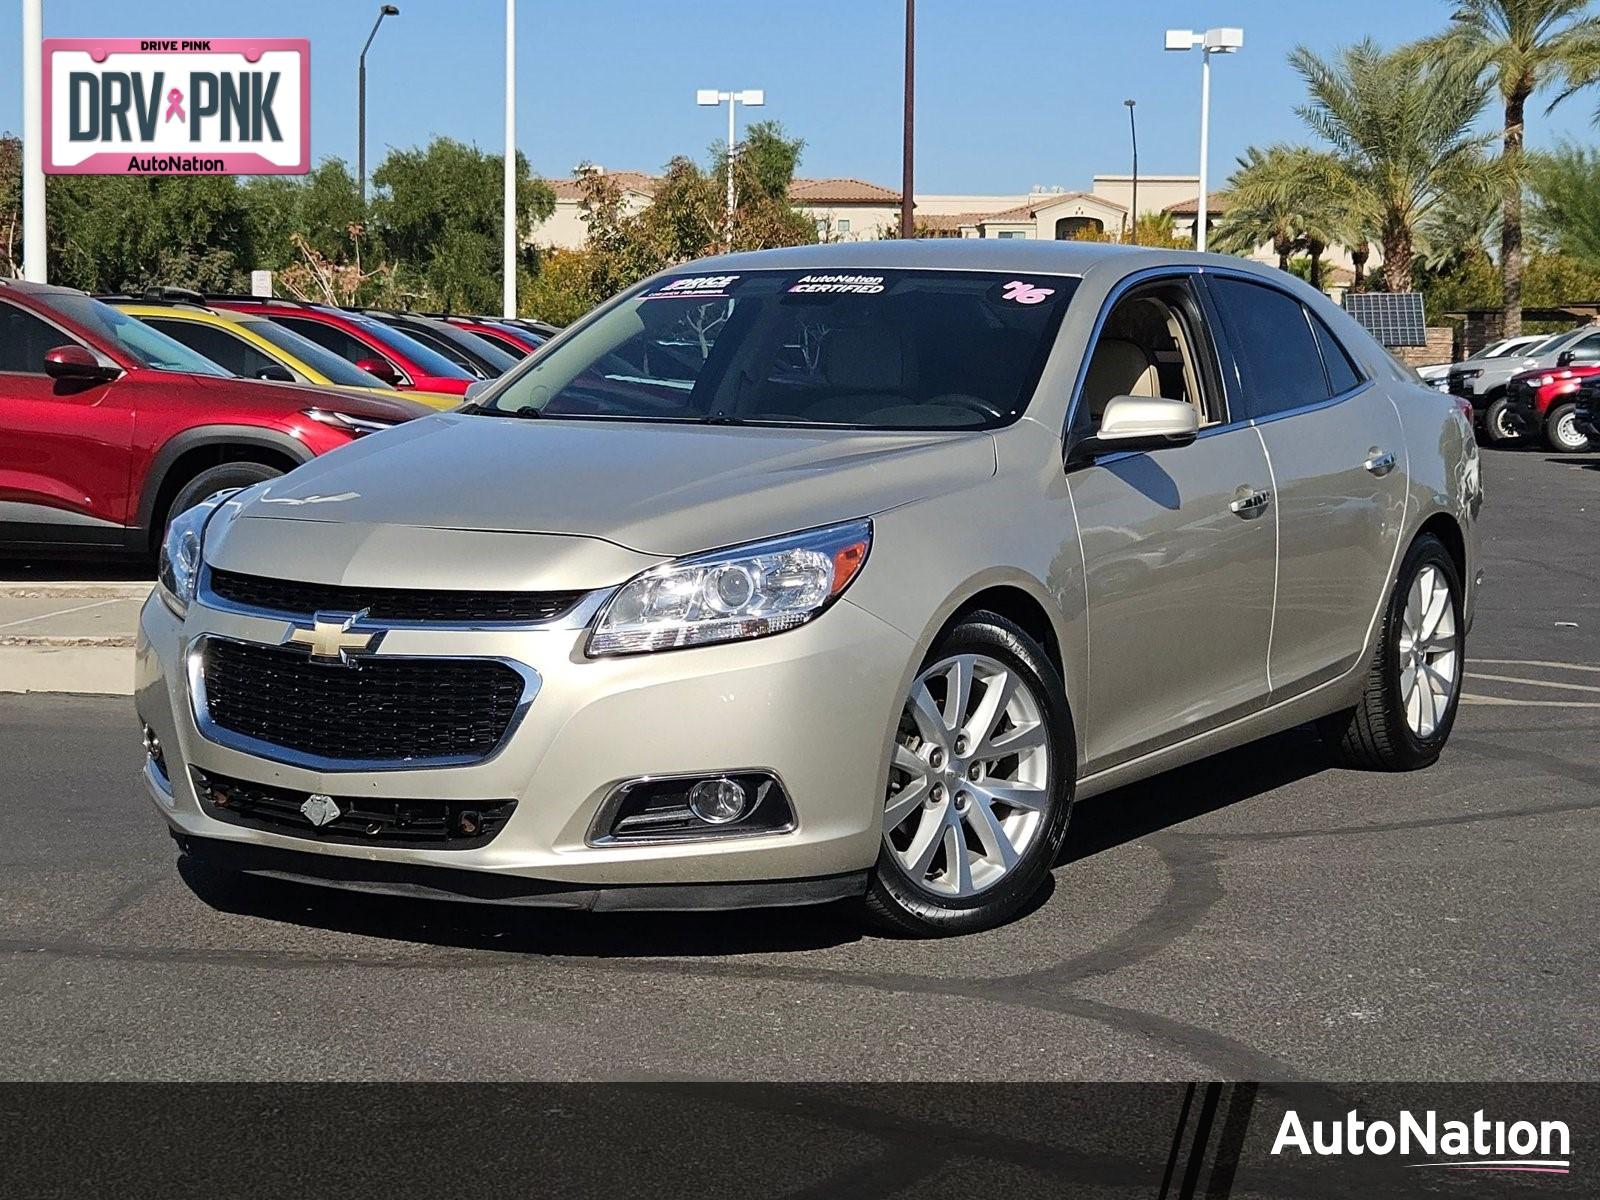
(718, 801)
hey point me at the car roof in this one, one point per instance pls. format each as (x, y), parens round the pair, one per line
(960, 254)
(186, 312)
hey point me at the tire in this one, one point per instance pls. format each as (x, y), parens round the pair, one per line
(1561, 432)
(958, 799)
(1497, 430)
(214, 479)
(1391, 730)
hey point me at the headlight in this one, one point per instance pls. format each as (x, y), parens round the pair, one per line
(179, 569)
(743, 592)
(355, 426)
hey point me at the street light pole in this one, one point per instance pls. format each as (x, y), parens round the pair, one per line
(750, 98)
(1133, 215)
(388, 10)
(908, 142)
(508, 265)
(1223, 40)
(34, 267)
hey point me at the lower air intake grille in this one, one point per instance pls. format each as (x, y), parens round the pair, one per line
(385, 710)
(360, 820)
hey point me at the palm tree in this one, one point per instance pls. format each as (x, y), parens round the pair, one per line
(1402, 129)
(1520, 45)
(1566, 200)
(1291, 197)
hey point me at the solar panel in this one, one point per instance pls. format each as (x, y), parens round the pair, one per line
(1394, 318)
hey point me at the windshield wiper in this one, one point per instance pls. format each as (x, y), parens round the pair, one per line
(483, 410)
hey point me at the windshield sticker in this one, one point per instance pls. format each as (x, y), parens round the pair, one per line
(695, 287)
(855, 285)
(1019, 292)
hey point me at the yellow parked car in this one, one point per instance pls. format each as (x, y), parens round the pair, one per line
(253, 347)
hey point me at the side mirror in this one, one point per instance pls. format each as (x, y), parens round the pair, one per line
(1135, 423)
(77, 365)
(1564, 359)
(379, 368)
(476, 389)
(276, 373)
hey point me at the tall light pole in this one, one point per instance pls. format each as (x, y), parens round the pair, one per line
(33, 236)
(508, 263)
(1133, 213)
(907, 224)
(1224, 40)
(388, 10)
(750, 98)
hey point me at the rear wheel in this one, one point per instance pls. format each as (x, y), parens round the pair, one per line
(1561, 430)
(1414, 682)
(1497, 427)
(980, 786)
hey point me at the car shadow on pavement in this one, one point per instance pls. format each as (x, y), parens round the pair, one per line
(1574, 460)
(1099, 824)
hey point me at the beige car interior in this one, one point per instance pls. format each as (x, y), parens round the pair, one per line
(1145, 349)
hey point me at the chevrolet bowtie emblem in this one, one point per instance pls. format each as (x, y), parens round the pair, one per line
(332, 637)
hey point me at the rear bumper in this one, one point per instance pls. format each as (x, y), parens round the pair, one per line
(378, 877)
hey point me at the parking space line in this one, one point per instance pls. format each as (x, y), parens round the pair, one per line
(1547, 683)
(60, 612)
(1534, 662)
(1469, 698)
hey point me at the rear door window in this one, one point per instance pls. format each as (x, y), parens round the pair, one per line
(1279, 364)
(1342, 373)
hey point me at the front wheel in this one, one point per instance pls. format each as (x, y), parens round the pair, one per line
(980, 785)
(1498, 429)
(1414, 682)
(213, 480)
(1561, 430)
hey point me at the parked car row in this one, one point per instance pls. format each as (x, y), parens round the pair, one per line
(118, 412)
(1530, 391)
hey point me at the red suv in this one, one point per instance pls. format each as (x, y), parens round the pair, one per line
(108, 427)
(518, 340)
(1545, 403)
(393, 356)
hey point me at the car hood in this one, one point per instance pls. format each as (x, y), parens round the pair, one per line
(657, 489)
(296, 397)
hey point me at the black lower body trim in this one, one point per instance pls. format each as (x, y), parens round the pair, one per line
(483, 887)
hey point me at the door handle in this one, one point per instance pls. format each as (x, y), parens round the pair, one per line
(1250, 502)
(1379, 462)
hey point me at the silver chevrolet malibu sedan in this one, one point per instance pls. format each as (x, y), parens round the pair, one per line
(839, 571)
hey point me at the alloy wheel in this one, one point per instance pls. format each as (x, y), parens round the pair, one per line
(1502, 424)
(969, 785)
(1430, 656)
(1567, 435)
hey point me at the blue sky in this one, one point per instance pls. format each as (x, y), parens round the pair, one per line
(1009, 94)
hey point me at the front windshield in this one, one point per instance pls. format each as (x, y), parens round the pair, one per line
(861, 349)
(424, 358)
(146, 346)
(1539, 349)
(319, 358)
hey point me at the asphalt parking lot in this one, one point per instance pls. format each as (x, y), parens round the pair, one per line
(1260, 916)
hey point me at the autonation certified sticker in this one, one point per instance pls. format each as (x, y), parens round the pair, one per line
(209, 106)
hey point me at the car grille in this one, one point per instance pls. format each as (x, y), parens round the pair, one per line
(389, 710)
(391, 604)
(362, 820)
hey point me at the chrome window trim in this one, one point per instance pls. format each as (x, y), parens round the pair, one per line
(604, 815)
(575, 618)
(193, 658)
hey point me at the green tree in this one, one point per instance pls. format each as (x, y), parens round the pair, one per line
(111, 233)
(438, 213)
(1520, 46)
(1403, 129)
(1290, 197)
(1566, 205)
(324, 208)
(10, 205)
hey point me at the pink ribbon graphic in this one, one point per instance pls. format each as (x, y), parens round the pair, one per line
(175, 106)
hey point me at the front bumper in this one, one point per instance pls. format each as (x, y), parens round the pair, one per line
(815, 706)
